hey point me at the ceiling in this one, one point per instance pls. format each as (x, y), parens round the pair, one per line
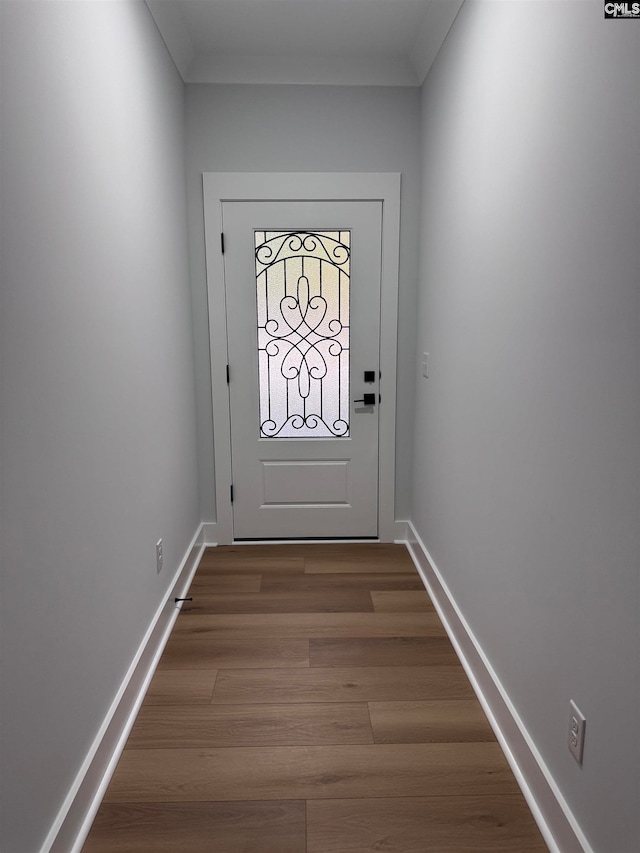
(332, 42)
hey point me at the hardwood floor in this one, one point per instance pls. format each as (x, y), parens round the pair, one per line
(309, 701)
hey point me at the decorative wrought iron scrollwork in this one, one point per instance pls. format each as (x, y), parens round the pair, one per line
(282, 245)
(303, 332)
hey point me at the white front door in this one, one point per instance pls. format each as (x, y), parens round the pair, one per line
(302, 285)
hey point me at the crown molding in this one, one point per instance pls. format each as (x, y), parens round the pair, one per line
(208, 67)
(175, 34)
(433, 31)
(303, 70)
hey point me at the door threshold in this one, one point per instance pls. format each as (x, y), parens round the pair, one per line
(324, 539)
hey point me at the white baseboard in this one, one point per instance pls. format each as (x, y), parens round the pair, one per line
(550, 810)
(72, 825)
(401, 531)
(208, 533)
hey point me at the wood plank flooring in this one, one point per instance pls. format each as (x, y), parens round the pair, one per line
(309, 701)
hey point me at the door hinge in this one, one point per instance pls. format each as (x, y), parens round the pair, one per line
(222, 243)
(227, 374)
(231, 492)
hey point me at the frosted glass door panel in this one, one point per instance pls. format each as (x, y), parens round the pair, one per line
(302, 295)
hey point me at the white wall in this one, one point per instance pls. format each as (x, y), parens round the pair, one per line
(527, 431)
(245, 128)
(98, 415)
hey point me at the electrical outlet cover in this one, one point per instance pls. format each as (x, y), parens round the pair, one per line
(425, 365)
(577, 726)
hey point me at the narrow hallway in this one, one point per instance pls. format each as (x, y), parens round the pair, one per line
(309, 701)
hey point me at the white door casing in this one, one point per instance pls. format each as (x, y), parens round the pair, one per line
(308, 468)
(383, 188)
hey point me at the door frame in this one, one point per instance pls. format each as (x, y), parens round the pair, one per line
(219, 187)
